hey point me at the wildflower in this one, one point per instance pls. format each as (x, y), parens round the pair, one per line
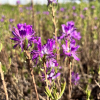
(75, 78)
(18, 2)
(21, 33)
(2, 20)
(51, 75)
(82, 16)
(74, 14)
(86, 8)
(52, 1)
(93, 7)
(46, 12)
(62, 9)
(70, 50)
(69, 31)
(51, 63)
(73, 7)
(45, 50)
(11, 20)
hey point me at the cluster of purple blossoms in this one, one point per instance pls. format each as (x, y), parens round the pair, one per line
(46, 12)
(86, 8)
(11, 20)
(93, 7)
(70, 34)
(73, 7)
(52, 1)
(3, 18)
(21, 33)
(47, 55)
(17, 2)
(75, 78)
(62, 9)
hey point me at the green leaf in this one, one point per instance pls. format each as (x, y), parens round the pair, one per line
(62, 91)
(0, 47)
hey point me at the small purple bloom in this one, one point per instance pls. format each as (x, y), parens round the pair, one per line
(86, 8)
(69, 31)
(70, 50)
(11, 20)
(93, 7)
(62, 9)
(51, 75)
(44, 50)
(2, 20)
(95, 18)
(18, 2)
(74, 14)
(53, 1)
(82, 16)
(46, 12)
(73, 7)
(51, 63)
(21, 33)
(75, 78)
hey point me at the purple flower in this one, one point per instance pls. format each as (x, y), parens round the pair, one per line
(62, 9)
(69, 31)
(70, 50)
(74, 14)
(11, 20)
(73, 7)
(52, 1)
(18, 2)
(86, 8)
(95, 18)
(45, 50)
(46, 12)
(51, 63)
(95, 27)
(93, 7)
(21, 33)
(82, 16)
(51, 75)
(2, 20)
(75, 78)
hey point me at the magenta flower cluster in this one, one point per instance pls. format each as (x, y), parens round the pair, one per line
(70, 34)
(45, 53)
(21, 33)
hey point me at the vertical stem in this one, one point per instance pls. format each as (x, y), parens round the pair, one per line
(34, 83)
(3, 81)
(69, 80)
(55, 32)
(46, 77)
(29, 64)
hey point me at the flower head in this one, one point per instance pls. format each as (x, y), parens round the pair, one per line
(69, 31)
(52, 1)
(44, 50)
(62, 9)
(70, 50)
(73, 7)
(51, 75)
(75, 78)
(21, 33)
(17, 2)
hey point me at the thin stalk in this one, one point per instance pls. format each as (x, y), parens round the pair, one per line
(46, 77)
(57, 49)
(3, 81)
(55, 32)
(29, 64)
